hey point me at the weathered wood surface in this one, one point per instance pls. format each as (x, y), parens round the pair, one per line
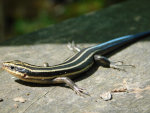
(46, 46)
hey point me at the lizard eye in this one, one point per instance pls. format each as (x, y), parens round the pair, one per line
(12, 67)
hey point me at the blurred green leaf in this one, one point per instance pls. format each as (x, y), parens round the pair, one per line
(51, 14)
(22, 26)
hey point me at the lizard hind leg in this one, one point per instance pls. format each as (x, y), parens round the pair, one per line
(105, 62)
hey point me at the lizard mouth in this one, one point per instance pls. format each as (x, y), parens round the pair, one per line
(4, 66)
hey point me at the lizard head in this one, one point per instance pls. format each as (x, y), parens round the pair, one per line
(15, 68)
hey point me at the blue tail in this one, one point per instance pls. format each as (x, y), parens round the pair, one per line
(118, 42)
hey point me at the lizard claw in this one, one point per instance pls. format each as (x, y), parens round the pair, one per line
(80, 91)
(119, 65)
(73, 47)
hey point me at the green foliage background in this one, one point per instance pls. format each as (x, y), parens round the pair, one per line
(30, 15)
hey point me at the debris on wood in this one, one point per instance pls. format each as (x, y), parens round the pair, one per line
(19, 99)
(16, 105)
(106, 96)
(27, 94)
(1, 100)
(121, 89)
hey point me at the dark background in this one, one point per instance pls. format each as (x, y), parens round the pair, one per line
(19, 17)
